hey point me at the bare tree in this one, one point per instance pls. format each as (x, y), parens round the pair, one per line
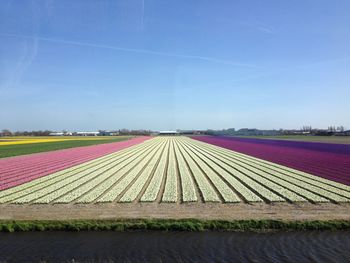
(307, 128)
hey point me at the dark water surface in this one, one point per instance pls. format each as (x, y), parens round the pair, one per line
(175, 247)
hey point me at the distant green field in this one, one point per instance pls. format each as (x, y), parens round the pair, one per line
(327, 139)
(21, 149)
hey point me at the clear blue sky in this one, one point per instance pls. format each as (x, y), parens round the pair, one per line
(159, 64)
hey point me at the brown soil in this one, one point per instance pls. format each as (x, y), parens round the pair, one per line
(278, 211)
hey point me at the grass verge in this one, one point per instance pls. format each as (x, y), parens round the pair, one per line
(21, 149)
(171, 225)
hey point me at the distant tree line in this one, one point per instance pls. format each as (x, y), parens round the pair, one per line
(7, 132)
(336, 129)
(304, 130)
(134, 132)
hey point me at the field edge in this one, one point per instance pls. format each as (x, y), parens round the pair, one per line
(172, 225)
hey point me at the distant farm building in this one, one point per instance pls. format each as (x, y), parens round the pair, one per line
(104, 133)
(56, 134)
(167, 133)
(60, 134)
(88, 133)
(192, 132)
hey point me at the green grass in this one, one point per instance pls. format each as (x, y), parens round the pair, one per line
(327, 139)
(21, 149)
(171, 225)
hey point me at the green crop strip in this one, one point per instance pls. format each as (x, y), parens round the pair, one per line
(21, 149)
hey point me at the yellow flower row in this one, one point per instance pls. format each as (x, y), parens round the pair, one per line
(23, 141)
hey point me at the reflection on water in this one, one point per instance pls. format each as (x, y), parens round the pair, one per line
(175, 247)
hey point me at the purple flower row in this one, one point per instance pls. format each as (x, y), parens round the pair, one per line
(309, 157)
(314, 146)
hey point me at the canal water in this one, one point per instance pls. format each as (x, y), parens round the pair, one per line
(323, 246)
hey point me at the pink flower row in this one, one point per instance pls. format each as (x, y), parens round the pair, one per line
(22, 169)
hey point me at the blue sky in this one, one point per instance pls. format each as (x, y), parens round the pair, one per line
(155, 64)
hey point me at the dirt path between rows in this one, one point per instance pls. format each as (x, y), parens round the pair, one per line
(278, 211)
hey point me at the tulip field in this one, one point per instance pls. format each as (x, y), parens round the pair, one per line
(23, 145)
(17, 140)
(162, 170)
(330, 161)
(22, 169)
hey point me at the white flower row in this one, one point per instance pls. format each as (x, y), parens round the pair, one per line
(248, 195)
(301, 187)
(170, 191)
(55, 188)
(209, 194)
(65, 187)
(32, 186)
(188, 188)
(226, 192)
(118, 188)
(90, 184)
(135, 189)
(323, 186)
(263, 191)
(266, 183)
(50, 186)
(98, 190)
(153, 188)
(286, 188)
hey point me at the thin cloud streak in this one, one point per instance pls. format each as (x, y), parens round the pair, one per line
(142, 51)
(31, 51)
(265, 29)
